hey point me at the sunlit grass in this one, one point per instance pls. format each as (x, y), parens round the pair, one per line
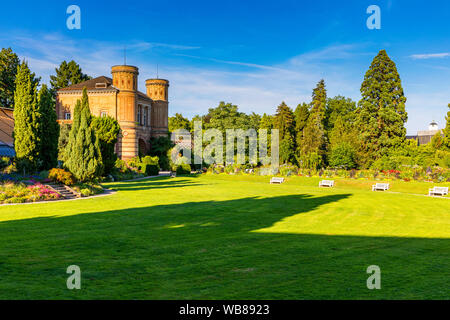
(221, 237)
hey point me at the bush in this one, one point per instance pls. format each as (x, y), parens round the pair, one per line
(61, 176)
(343, 156)
(183, 169)
(121, 166)
(150, 169)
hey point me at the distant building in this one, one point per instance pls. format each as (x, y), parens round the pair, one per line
(6, 133)
(140, 115)
(425, 136)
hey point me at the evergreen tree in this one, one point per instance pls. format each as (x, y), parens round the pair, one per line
(381, 110)
(447, 130)
(49, 129)
(284, 121)
(68, 73)
(313, 141)
(107, 129)
(266, 122)
(27, 121)
(64, 133)
(9, 62)
(319, 100)
(301, 118)
(83, 155)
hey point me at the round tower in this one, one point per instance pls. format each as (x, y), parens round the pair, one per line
(157, 89)
(125, 78)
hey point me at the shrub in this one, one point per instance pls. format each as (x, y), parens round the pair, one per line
(343, 156)
(150, 169)
(134, 162)
(183, 169)
(121, 165)
(61, 176)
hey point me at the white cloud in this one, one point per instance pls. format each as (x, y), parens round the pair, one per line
(431, 55)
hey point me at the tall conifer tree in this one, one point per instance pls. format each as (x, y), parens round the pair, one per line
(381, 114)
(27, 121)
(49, 129)
(83, 156)
(284, 121)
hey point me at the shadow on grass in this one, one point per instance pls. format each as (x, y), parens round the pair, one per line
(207, 250)
(153, 183)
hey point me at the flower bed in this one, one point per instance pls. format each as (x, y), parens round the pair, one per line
(11, 192)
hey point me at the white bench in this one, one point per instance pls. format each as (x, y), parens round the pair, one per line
(276, 180)
(173, 174)
(438, 190)
(380, 186)
(326, 183)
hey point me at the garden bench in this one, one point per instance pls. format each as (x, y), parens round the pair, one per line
(438, 190)
(173, 174)
(276, 180)
(380, 186)
(326, 183)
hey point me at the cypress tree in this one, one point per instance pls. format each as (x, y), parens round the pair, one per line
(27, 121)
(381, 111)
(49, 132)
(107, 129)
(83, 156)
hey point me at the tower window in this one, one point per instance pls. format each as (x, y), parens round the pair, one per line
(139, 115)
(67, 116)
(145, 116)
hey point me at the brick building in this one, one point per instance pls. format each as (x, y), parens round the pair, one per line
(140, 115)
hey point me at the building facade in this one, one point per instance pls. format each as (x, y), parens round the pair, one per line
(140, 115)
(425, 136)
(6, 132)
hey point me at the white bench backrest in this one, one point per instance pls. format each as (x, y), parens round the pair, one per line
(382, 185)
(327, 181)
(440, 189)
(276, 179)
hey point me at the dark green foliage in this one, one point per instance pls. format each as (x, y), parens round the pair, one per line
(447, 130)
(82, 154)
(150, 166)
(179, 122)
(319, 100)
(49, 129)
(381, 110)
(64, 133)
(437, 141)
(266, 122)
(27, 121)
(107, 130)
(339, 106)
(183, 169)
(343, 156)
(313, 140)
(9, 62)
(66, 75)
(301, 119)
(159, 148)
(284, 121)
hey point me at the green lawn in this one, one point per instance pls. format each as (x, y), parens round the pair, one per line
(230, 237)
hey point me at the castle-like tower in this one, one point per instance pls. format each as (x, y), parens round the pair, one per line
(125, 79)
(141, 116)
(158, 91)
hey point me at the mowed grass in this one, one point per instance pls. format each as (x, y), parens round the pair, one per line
(230, 237)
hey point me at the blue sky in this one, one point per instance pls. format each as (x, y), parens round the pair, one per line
(252, 53)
